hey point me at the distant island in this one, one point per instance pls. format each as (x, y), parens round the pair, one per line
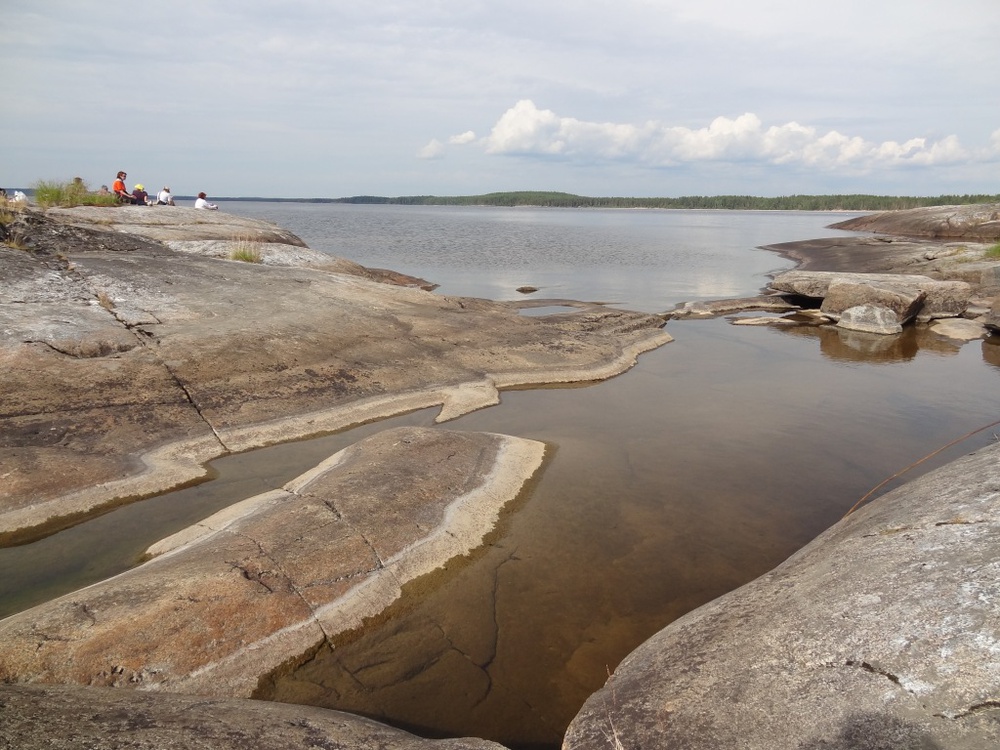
(550, 199)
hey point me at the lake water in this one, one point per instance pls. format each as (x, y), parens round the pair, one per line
(641, 259)
(708, 463)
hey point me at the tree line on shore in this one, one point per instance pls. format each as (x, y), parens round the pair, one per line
(855, 202)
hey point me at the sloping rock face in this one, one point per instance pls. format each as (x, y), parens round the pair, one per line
(127, 365)
(884, 632)
(47, 717)
(973, 222)
(217, 234)
(272, 578)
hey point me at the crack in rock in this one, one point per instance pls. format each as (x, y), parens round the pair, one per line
(975, 708)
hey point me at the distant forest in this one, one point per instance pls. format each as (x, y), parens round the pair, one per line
(733, 202)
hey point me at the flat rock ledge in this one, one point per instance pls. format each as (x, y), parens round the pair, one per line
(48, 717)
(269, 580)
(884, 632)
(128, 364)
(925, 265)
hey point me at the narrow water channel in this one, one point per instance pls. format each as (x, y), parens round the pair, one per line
(711, 462)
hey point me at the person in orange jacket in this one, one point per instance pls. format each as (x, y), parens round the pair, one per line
(119, 189)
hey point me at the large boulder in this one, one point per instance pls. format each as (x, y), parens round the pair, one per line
(942, 299)
(870, 319)
(884, 632)
(903, 300)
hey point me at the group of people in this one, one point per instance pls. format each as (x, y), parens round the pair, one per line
(139, 197)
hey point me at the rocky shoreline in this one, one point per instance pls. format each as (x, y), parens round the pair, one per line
(129, 364)
(134, 348)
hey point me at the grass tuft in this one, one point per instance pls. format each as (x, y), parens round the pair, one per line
(993, 252)
(247, 250)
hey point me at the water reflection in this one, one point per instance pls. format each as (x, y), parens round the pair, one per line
(714, 459)
(991, 351)
(842, 345)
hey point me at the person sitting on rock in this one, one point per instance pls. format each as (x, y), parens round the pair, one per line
(165, 197)
(202, 202)
(141, 196)
(119, 189)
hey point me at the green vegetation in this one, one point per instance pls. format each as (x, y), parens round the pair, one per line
(68, 194)
(993, 252)
(855, 202)
(739, 202)
(246, 250)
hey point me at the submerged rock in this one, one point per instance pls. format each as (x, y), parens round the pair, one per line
(268, 580)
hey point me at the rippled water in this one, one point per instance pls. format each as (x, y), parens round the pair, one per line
(711, 461)
(642, 259)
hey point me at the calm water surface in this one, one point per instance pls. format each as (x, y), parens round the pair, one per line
(711, 461)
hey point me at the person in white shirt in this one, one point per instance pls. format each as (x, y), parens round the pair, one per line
(165, 197)
(203, 203)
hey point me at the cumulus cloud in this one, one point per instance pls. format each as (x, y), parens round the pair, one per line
(524, 129)
(462, 138)
(433, 150)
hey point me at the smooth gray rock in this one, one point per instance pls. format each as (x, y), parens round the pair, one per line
(884, 632)
(973, 221)
(51, 717)
(943, 299)
(959, 329)
(904, 300)
(870, 319)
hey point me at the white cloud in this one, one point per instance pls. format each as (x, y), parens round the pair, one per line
(433, 150)
(526, 130)
(462, 138)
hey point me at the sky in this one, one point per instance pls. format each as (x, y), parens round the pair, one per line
(664, 98)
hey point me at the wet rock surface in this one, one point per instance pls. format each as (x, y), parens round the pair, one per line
(265, 581)
(128, 364)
